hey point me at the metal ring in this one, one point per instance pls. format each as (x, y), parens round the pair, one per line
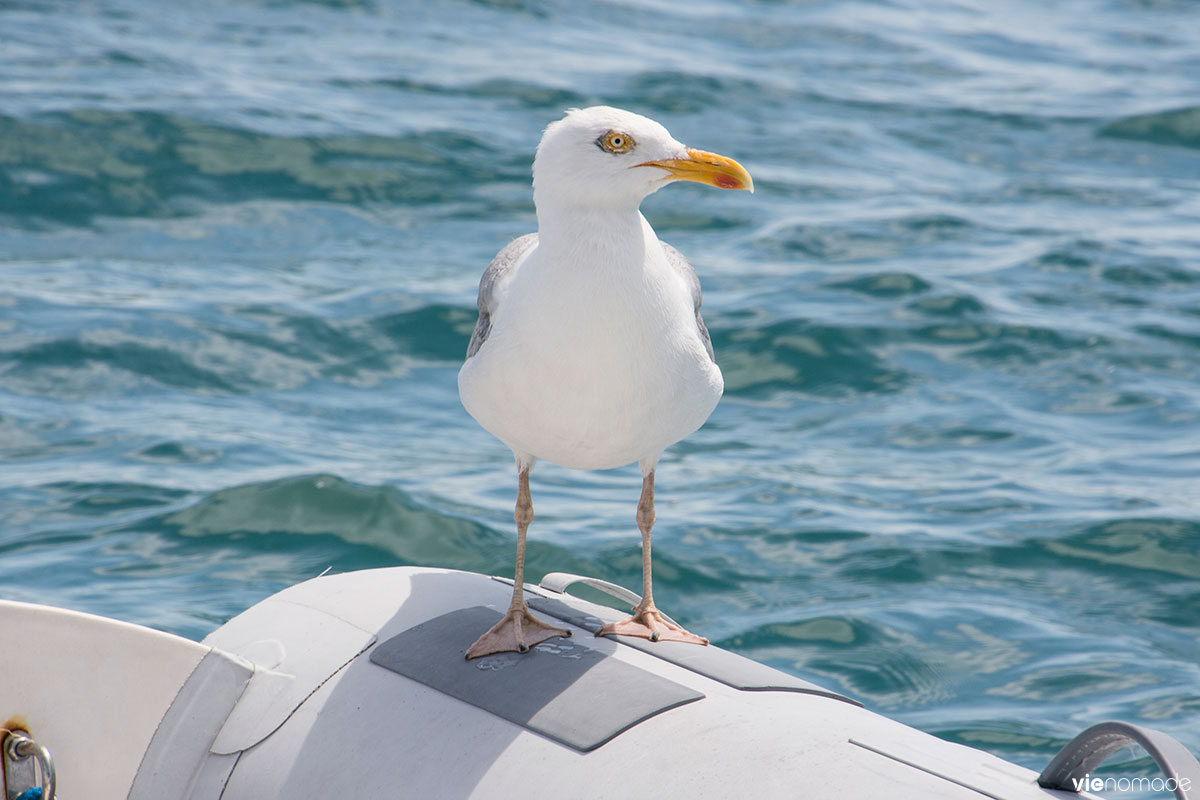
(19, 746)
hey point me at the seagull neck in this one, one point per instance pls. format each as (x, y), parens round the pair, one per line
(567, 227)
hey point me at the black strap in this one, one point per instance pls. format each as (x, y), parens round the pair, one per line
(1067, 770)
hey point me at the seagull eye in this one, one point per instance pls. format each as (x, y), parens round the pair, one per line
(616, 142)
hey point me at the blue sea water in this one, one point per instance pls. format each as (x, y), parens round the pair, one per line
(955, 470)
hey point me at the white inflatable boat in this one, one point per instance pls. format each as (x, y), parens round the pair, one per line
(355, 686)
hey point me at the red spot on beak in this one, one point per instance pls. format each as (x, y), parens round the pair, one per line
(727, 182)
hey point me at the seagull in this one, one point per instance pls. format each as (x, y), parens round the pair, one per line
(590, 351)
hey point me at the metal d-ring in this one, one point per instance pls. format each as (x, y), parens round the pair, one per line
(20, 746)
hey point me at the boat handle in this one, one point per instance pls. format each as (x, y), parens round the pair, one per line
(1068, 770)
(559, 581)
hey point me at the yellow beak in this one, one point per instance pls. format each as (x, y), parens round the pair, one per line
(710, 168)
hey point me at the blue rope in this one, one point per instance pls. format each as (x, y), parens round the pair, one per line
(31, 794)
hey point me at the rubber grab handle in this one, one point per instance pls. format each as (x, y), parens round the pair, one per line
(1068, 770)
(559, 581)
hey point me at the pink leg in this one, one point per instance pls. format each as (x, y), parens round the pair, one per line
(518, 629)
(647, 621)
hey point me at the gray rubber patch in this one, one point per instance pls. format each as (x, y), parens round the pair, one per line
(561, 689)
(712, 662)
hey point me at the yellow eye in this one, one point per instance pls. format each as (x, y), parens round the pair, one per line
(616, 142)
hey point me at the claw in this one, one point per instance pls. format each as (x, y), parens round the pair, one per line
(649, 623)
(518, 630)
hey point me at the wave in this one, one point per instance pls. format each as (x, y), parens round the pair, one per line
(876, 239)
(526, 94)
(804, 356)
(1162, 546)
(385, 525)
(884, 284)
(1179, 127)
(247, 349)
(71, 167)
(1000, 343)
(869, 660)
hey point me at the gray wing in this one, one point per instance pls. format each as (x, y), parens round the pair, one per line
(494, 277)
(680, 263)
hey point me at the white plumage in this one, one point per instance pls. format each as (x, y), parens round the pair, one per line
(594, 357)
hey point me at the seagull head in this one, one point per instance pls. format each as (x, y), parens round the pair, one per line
(609, 157)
